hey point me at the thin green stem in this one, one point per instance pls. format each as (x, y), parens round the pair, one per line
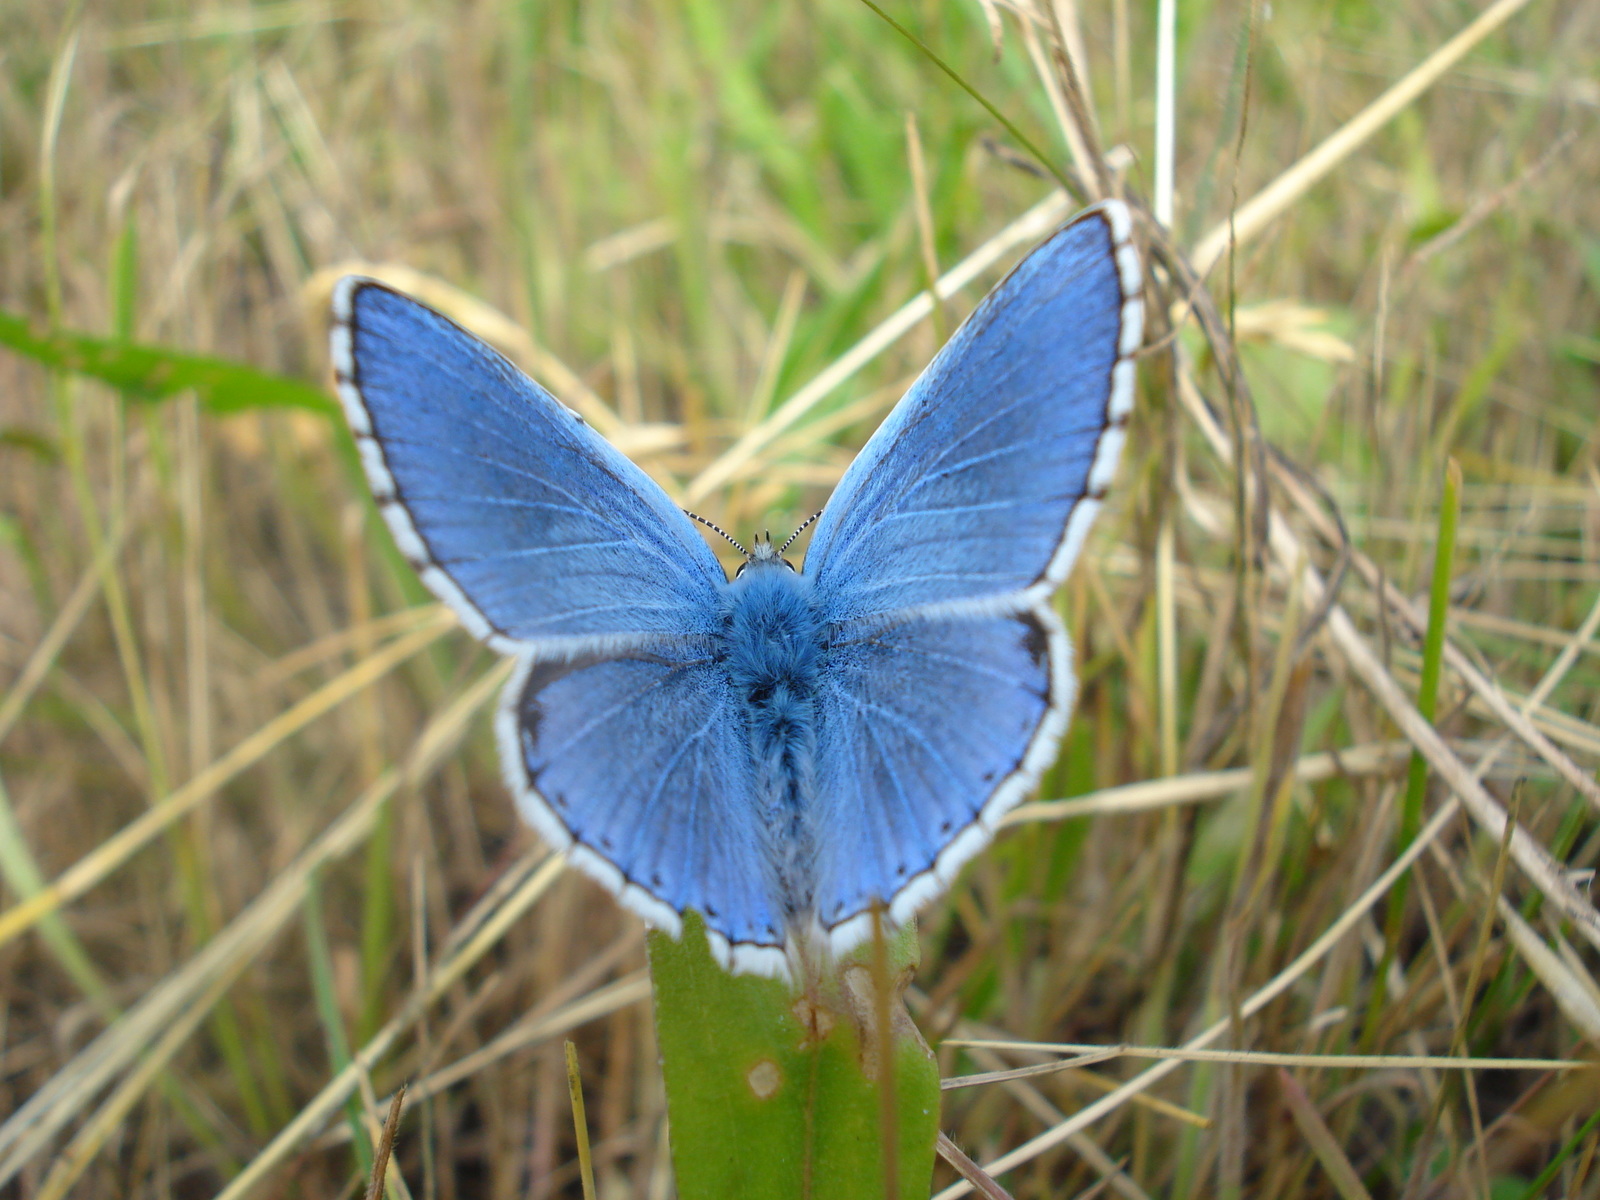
(1427, 704)
(1021, 138)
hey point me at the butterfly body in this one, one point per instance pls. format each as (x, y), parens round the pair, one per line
(773, 649)
(787, 752)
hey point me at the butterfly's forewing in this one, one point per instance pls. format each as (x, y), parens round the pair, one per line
(983, 481)
(950, 676)
(519, 516)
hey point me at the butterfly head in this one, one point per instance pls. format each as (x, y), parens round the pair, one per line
(764, 554)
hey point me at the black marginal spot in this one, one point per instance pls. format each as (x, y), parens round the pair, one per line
(656, 881)
(530, 716)
(986, 777)
(1036, 640)
(711, 911)
(946, 826)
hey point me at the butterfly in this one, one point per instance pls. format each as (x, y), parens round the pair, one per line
(791, 751)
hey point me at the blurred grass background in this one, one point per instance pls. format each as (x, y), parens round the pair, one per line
(682, 212)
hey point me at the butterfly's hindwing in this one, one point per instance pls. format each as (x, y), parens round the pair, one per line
(928, 731)
(639, 767)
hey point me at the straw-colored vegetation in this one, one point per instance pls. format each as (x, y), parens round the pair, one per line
(256, 864)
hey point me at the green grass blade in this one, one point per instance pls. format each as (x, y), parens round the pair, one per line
(1427, 704)
(1573, 1144)
(1022, 139)
(377, 923)
(156, 372)
(320, 962)
(21, 873)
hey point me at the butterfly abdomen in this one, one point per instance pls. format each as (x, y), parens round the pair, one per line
(773, 637)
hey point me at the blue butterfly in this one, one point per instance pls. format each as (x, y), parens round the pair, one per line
(787, 750)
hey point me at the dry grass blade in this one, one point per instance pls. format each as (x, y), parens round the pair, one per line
(1293, 559)
(1035, 1101)
(437, 980)
(46, 652)
(1210, 785)
(1495, 699)
(1322, 1139)
(1277, 197)
(1077, 147)
(391, 1127)
(1254, 1003)
(83, 875)
(1089, 1053)
(542, 1027)
(1166, 131)
(1486, 689)
(1572, 988)
(108, 1118)
(980, 1180)
(917, 162)
(1085, 1147)
(1548, 875)
(344, 641)
(1581, 639)
(189, 993)
(580, 1121)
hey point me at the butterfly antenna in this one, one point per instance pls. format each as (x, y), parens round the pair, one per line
(732, 541)
(809, 522)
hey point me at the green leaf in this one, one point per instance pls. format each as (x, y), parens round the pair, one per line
(156, 372)
(774, 1094)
